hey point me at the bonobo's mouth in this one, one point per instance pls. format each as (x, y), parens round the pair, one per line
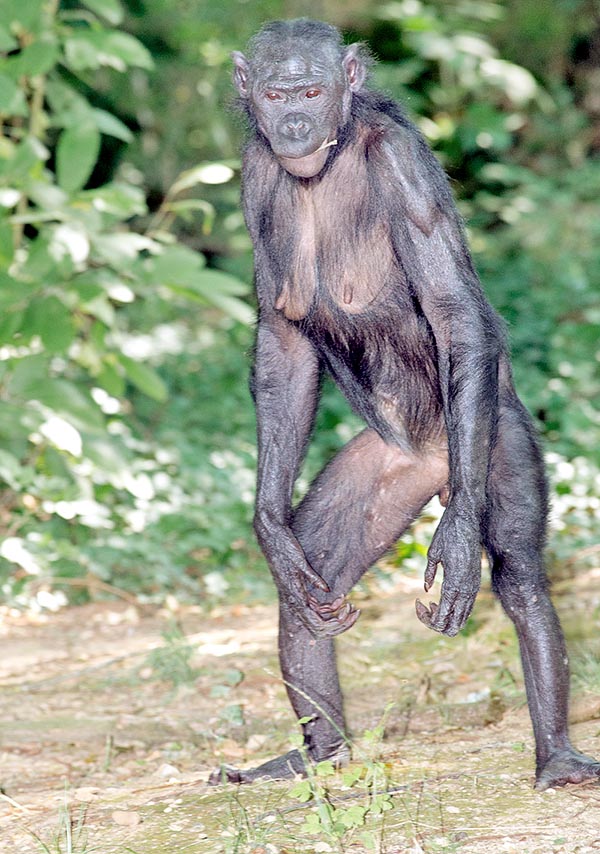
(310, 164)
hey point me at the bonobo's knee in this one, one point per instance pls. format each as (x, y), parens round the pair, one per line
(522, 588)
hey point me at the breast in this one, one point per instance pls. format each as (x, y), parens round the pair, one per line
(341, 251)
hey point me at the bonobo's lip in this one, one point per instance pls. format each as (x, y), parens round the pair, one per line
(308, 165)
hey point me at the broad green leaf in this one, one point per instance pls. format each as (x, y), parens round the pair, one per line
(10, 323)
(92, 49)
(176, 265)
(81, 54)
(144, 378)
(120, 249)
(234, 307)
(49, 318)
(48, 197)
(16, 419)
(40, 262)
(212, 281)
(14, 293)
(67, 107)
(20, 161)
(26, 13)
(111, 379)
(37, 58)
(27, 372)
(128, 49)
(108, 454)
(182, 271)
(120, 200)
(12, 100)
(110, 10)
(76, 155)
(10, 469)
(66, 399)
(111, 125)
(7, 42)
(6, 244)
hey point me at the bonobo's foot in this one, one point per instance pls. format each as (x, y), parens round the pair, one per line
(567, 766)
(291, 764)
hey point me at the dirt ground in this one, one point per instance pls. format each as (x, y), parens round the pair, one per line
(112, 716)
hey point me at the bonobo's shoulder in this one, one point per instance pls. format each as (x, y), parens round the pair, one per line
(380, 112)
(410, 174)
(403, 151)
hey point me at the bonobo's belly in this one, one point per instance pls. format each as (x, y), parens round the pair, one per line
(384, 360)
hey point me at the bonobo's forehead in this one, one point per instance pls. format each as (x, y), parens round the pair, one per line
(289, 64)
(295, 70)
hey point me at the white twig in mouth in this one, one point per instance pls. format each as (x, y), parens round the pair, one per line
(326, 144)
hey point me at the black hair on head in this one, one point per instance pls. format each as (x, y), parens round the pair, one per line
(275, 33)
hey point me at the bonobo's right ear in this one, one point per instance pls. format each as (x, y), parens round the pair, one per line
(241, 69)
(354, 66)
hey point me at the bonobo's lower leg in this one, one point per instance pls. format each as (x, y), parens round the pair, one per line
(357, 507)
(514, 540)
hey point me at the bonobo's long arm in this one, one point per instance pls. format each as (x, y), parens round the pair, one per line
(469, 340)
(285, 386)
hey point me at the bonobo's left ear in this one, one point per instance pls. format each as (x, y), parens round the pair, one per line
(241, 69)
(354, 67)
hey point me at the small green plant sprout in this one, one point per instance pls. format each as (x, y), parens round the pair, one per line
(364, 795)
(172, 662)
(70, 836)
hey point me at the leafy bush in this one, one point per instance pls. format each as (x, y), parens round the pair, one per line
(73, 270)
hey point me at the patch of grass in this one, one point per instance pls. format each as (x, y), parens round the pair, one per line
(70, 837)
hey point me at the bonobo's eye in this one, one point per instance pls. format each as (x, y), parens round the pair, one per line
(313, 93)
(273, 96)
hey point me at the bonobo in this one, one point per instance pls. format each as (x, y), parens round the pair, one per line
(362, 270)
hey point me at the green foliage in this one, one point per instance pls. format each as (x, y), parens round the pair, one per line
(126, 430)
(70, 836)
(359, 808)
(172, 662)
(528, 183)
(78, 259)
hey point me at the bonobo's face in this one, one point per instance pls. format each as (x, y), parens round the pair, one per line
(300, 98)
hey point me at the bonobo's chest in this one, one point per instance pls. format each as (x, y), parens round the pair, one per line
(329, 241)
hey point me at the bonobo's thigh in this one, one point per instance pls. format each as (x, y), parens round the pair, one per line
(361, 503)
(357, 507)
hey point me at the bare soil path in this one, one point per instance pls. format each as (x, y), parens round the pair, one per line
(110, 721)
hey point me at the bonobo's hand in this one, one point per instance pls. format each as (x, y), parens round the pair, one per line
(292, 574)
(457, 546)
(322, 619)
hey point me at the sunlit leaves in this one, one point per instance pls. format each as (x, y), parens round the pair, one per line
(28, 16)
(110, 10)
(144, 378)
(182, 271)
(12, 99)
(7, 41)
(92, 49)
(111, 125)
(37, 58)
(76, 155)
(48, 318)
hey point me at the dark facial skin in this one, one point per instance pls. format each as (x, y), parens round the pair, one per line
(362, 270)
(298, 105)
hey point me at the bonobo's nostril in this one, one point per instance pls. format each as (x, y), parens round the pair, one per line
(297, 128)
